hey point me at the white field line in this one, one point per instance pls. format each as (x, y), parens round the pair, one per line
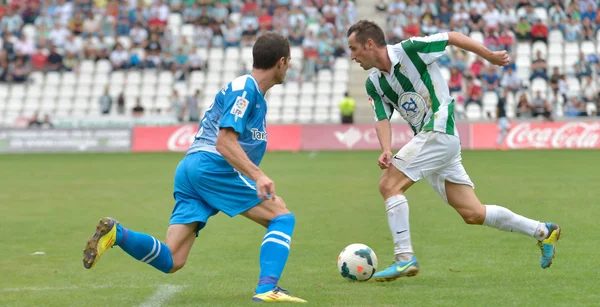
(163, 294)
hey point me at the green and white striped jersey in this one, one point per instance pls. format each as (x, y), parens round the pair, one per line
(415, 88)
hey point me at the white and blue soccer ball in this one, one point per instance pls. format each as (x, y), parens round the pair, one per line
(357, 262)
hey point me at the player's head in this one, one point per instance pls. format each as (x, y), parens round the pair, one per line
(272, 52)
(365, 38)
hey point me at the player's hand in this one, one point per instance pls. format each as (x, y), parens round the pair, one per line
(385, 159)
(500, 58)
(265, 187)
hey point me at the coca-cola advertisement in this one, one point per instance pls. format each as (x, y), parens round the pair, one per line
(362, 137)
(179, 138)
(539, 135)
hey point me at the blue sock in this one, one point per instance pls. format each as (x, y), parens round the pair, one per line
(274, 251)
(145, 248)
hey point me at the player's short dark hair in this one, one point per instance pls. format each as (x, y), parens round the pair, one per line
(269, 48)
(364, 30)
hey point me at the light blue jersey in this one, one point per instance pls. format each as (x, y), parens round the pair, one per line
(239, 105)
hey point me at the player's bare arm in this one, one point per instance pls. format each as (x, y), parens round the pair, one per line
(384, 134)
(462, 41)
(230, 149)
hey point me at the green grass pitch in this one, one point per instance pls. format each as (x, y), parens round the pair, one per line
(50, 203)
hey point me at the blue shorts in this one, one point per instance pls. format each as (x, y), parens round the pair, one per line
(206, 184)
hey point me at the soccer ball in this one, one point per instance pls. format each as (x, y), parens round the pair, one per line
(357, 262)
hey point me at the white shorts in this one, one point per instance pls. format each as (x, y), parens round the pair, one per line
(503, 124)
(434, 156)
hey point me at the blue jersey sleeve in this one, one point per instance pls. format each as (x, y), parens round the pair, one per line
(238, 108)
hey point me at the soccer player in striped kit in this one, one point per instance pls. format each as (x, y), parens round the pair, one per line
(405, 79)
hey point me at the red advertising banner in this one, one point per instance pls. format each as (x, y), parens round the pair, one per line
(179, 138)
(539, 135)
(349, 137)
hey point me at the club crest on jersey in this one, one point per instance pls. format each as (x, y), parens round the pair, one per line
(412, 107)
(239, 107)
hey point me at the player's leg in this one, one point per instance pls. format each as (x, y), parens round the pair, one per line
(235, 194)
(275, 247)
(455, 186)
(189, 216)
(409, 165)
(503, 126)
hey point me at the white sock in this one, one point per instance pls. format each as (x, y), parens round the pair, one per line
(504, 219)
(397, 213)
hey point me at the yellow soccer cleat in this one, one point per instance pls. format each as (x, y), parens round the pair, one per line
(548, 245)
(277, 295)
(104, 238)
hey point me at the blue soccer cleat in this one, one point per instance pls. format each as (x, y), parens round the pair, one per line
(398, 269)
(548, 245)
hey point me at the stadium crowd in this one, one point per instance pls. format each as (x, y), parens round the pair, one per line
(504, 24)
(56, 35)
(134, 34)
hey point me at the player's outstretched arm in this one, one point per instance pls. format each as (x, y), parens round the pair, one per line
(462, 41)
(384, 134)
(229, 147)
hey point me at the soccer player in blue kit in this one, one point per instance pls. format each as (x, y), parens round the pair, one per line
(220, 173)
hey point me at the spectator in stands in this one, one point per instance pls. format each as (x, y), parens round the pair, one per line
(589, 89)
(491, 40)
(490, 80)
(511, 81)
(477, 66)
(588, 30)
(70, 62)
(459, 60)
(473, 92)
(492, 18)
(347, 107)
(153, 49)
(428, 28)
(105, 102)
(11, 22)
(523, 29)
(456, 79)
(159, 13)
(524, 108)
(590, 11)
(119, 58)
(572, 30)
(476, 23)
(539, 32)
(582, 67)
(138, 109)
(91, 26)
(575, 108)
(36, 123)
(121, 104)
(539, 67)
(39, 60)
(556, 17)
(19, 72)
(326, 61)
(412, 28)
(58, 35)
(249, 24)
(177, 106)
(55, 60)
(562, 87)
(541, 107)
(232, 35)
(553, 81)
(191, 104)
